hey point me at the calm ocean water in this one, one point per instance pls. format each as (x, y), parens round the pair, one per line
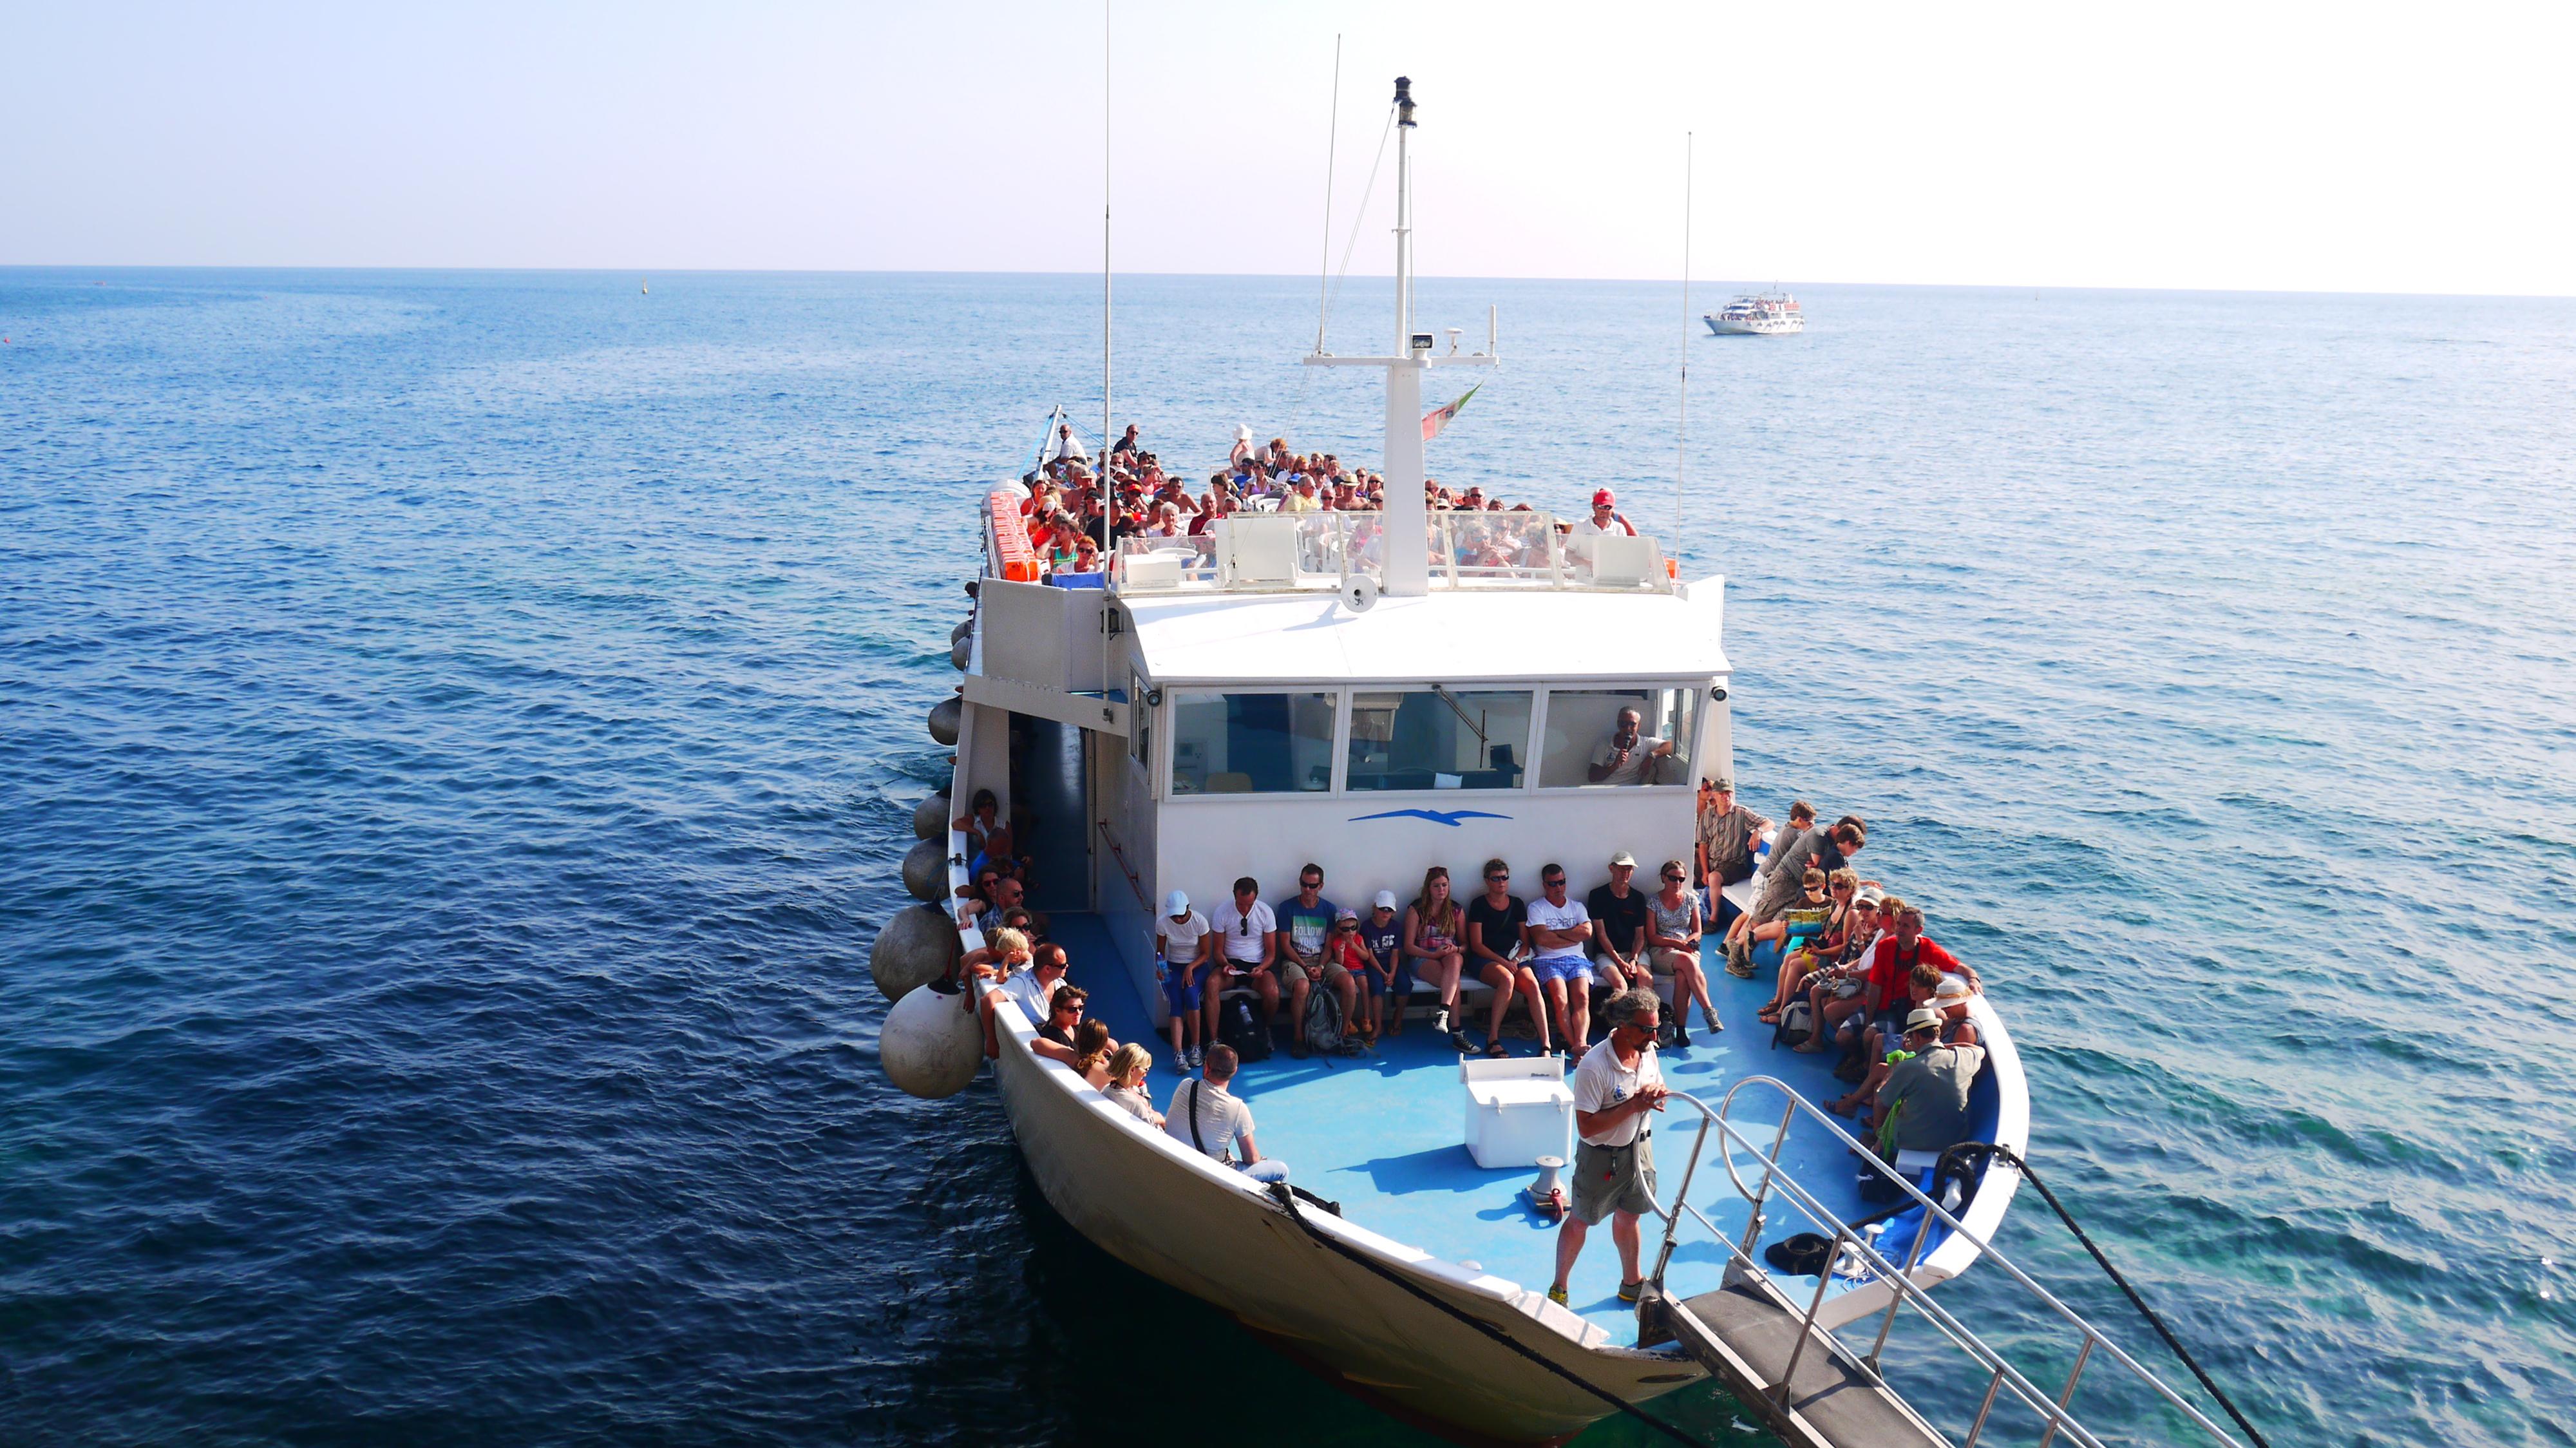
(457, 733)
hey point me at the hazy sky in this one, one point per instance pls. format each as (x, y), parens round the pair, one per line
(2302, 147)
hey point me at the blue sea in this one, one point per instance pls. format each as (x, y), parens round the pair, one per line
(458, 732)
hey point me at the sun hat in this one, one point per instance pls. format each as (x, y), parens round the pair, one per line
(1623, 858)
(1952, 989)
(1724, 783)
(1176, 903)
(1604, 498)
(1925, 1018)
(1385, 900)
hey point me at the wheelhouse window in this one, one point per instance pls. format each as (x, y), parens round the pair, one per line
(1610, 738)
(1270, 743)
(1437, 739)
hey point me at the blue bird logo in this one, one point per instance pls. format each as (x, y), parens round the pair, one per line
(1437, 817)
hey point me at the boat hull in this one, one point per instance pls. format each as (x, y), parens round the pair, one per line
(1170, 1213)
(1767, 327)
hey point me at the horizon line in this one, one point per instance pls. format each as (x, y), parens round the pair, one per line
(683, 271)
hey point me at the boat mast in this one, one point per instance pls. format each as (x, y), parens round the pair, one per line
(1406, 518)
(1108, 494)
(1408, 561)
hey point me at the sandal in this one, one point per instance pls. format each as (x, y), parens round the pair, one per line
(1495, 1051)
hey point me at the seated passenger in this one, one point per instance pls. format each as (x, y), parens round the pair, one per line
(1091, 1048)
(1305, 924)
(1824, 852)
(1247, 942)
(1345, 951)
(1924, 1105)
(1127, 1084)
(1618, 911)
(1672, 942)
(1840, 960)
(1031, 987)
(1184, 953)
(1605, 518)
(1207, 1116)
(979, 822)
(1389, 978)
(1064, 1017)
(1628, 756)
(1435, 936)
(1723, 855)
(1558, 930)
(1498, 941)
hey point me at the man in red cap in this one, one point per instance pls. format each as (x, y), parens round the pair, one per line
(1605, 519)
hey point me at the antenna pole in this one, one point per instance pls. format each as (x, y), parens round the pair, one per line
(1406, 519)
(1681, 444)
(1108, 494)
(1332, 138)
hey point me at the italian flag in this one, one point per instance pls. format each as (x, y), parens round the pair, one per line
(1438, 417)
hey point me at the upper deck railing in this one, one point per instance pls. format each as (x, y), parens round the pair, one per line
(1325, 551)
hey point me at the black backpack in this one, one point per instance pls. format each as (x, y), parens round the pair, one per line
(1238, 1024)
(1322, 1027)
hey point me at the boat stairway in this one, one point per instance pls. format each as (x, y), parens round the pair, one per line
(1806, 1383)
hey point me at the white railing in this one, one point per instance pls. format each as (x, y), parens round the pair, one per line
(1300, 552)
(1852, 1249)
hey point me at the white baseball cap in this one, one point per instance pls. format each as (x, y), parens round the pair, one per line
(1385, 900)
(1176, 903)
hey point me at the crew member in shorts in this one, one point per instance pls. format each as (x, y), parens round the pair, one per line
(1614, 1161)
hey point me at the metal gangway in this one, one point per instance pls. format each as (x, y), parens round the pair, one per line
(1806, 1383)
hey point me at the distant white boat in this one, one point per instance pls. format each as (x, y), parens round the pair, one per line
(1770, 314)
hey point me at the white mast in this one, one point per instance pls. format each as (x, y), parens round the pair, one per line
(1408, 556)
(1108, 494)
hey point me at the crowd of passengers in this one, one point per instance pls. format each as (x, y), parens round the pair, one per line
(1066, 498)
(1873, 987)
(1854, 966)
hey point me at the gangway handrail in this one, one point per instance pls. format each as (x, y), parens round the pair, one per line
(1900, 1282)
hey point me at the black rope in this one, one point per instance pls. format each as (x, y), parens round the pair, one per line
(2013, 1159)
(1287, 1200)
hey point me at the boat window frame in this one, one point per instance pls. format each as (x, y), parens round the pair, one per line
(1341, 692)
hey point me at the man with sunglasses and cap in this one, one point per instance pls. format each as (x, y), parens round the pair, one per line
(1184, 952)
(1604, 518)
(1615, 1086)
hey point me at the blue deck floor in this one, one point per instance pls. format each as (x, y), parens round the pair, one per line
(1384, 1136)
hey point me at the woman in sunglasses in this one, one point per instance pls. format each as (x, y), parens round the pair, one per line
(1673, 930)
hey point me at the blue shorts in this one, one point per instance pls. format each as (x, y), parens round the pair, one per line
(1180, 992)
(1562, 967)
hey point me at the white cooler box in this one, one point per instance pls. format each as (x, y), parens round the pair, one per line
(1518, 1110)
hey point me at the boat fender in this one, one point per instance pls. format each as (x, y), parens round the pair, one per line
(944, 719)
(930, 818)
(914, 948)
(962, 631)
(928, 1046)
(925, 872)
(960, 652)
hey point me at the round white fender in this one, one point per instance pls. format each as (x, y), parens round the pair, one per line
(925, 872)
(915, 947)
(944, 718)
(930, 818)
(930, 1046)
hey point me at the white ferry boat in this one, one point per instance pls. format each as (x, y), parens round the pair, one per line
(1769, 314)
(1291, 688)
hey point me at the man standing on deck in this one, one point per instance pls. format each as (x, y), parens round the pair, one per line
(1614, 1162)
(1727, 834)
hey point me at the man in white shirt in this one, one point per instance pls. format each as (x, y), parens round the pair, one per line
(1614, 1160)
(1559, 928)
(1247, 947)
(1210, 1118)
(1628, 756)
(1605, 518)
(1031, 989)
(1184, 947)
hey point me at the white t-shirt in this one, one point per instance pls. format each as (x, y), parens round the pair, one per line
(1578, 545)
(1032, 996)
(1558, 917)
(1241, 943)
(1179, 939)
(1641, 758)
(1222, 1117)
(1601, 1083)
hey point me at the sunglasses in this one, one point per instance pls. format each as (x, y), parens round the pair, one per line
(1496, 879)
(1672, 879)
(1552, 884)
